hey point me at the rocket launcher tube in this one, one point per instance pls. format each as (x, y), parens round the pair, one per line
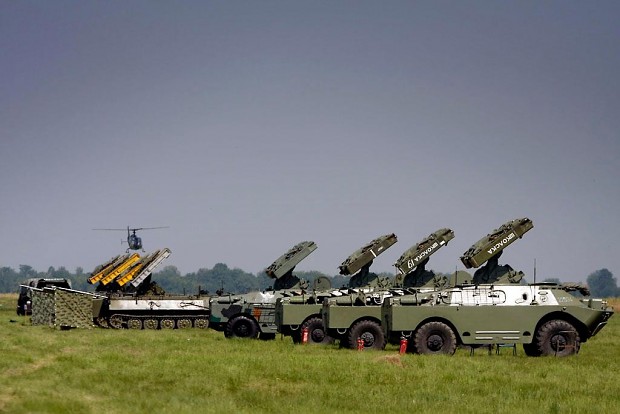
(285, 263)
(120, 269)
(493, 243)
(104, 269)
(366, 254)
(415, 255)
(159, 256)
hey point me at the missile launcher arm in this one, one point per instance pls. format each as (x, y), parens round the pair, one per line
(287, 262)
(494, 243)
(365, 255)
(411, 258)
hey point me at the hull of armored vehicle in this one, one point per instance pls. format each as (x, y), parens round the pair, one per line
(245, 316)
(293, 318)
(153, 312)
(545, 319)
(356, 317)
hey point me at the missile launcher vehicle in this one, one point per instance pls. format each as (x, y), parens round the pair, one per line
(495, 309)
(355, 319)
(252, 314)
(296, 312)
(132, 300)
(543, 317)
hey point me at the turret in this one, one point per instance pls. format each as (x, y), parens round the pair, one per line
(360, 260)
(412, 263)
(489, 249)
(282, 268)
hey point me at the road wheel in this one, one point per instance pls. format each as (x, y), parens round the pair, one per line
(435, 338)
(151, 324)
(115, 321)
(102, 322)
(134, 324)
(167, 324)
(184, 324)
(201, 323)
(316, 331)
(368, 331)
(241, 327)
(557, 338)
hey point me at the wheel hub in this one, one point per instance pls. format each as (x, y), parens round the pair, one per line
(368, 338)
(317, 335)
(434, 342)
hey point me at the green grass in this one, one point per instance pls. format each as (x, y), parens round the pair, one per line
(43, 370)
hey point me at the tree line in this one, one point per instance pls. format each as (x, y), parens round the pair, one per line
(602, 282)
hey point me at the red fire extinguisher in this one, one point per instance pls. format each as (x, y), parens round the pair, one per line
(304, 335)
(360, 344)
(403, 345)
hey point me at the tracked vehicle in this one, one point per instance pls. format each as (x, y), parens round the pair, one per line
(252, 315)
(357, 317)
(495, 310)
(298, 312)
(132, 300)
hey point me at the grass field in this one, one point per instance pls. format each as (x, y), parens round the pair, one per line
(119, 371)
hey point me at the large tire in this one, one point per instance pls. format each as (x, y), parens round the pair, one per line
(531, 349)
(370, 332)
(241, 327)
(435, 338)
(316, 331)
(557, 338)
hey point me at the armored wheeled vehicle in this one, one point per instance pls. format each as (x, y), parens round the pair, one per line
(296, 313)
(544, 318)
(495, 308)
(252, 315)
(132, 300)
(355, 319)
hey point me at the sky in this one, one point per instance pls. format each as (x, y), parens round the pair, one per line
(246, 127)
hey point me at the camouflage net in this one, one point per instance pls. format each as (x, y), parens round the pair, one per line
(62, 308)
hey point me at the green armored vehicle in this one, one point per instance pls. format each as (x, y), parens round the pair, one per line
(495, 310)
(357, 316)
(544, 318)
(296, 312)
(252, 314)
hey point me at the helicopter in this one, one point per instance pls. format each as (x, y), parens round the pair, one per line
(133, 241)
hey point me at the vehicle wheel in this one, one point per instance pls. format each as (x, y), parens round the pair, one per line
(241, 327)
(435, 338)
(557, 338)
(102, 322)
(134, 324)
(316, 331)
(531, 349)
(370, 332)
(201, 323)
(184, 324)
(150, 324)
(115, 321)
(167, 324)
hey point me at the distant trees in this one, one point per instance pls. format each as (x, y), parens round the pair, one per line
(602, 283)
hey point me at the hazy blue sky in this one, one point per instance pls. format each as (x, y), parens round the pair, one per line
(250, 126)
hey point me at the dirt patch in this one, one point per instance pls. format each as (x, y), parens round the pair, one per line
(393, 359)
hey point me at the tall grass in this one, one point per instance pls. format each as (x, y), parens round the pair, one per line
(118, 371)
